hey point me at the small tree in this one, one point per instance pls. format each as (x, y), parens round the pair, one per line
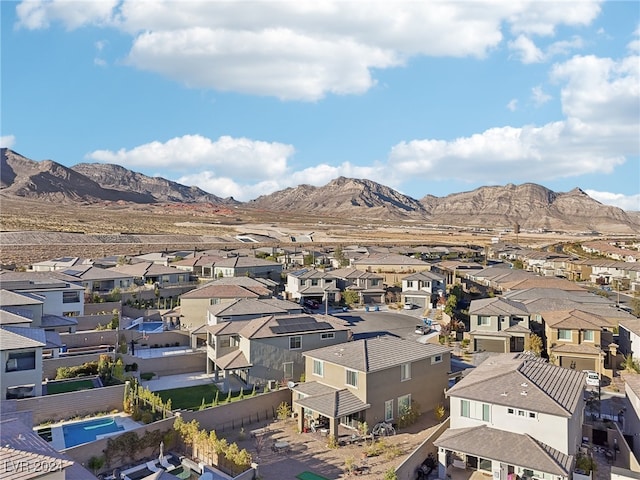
(534, 344)
(350, 297)
(390, 474)
(284, 411)
(96, 463)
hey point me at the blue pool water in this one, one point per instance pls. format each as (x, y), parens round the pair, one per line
(148, 327)
(85, 432)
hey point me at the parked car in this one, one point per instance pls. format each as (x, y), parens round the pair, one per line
(408, 306)
(312, 304)
(592, 378)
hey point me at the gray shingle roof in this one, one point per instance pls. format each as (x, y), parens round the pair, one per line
(8, 298)
(497, 306)
(507, 447)
(522, 381)
(370, 355)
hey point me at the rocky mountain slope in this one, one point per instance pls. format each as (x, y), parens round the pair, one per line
(343, 197)
(91, 183)
(121, 179)
(529, 205)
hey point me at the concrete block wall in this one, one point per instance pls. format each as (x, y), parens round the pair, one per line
(170, 365)
(66, 405)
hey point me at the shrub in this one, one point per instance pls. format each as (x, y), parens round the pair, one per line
(284, 411)
(147, 375)
(390, 474)
(439, 412)
(146, 417)
(332, 443)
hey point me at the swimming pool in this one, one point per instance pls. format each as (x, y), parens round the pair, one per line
(87, 431)
(148, 327)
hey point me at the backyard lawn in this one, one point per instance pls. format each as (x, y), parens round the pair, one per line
(73, 386)
(190, 398)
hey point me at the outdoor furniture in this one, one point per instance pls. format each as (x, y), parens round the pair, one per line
(461, 464)
(281, 447)
(259, 431)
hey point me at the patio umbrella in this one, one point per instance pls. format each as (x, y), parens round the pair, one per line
(161, 451)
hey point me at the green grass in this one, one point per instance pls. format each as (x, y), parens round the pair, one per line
(310, 476)
(190, 398)
(65, 387)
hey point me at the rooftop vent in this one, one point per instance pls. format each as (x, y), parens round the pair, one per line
(524, 385)
(503, 394)
(523, 393)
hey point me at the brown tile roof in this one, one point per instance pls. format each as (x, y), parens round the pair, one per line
(497, 306)
(335, 404)
(574, 319)
(224, 291)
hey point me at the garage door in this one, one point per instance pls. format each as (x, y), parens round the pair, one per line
(488, 345)
(578, 363)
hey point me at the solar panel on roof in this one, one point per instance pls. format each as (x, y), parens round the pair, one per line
(301, 327)
(295, 320)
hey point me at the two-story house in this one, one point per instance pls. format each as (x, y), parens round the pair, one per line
(578, 339)
(368, 285)
(514, 414)
(247, 266)
(312, 284)
(498, 325)
(194, 304)
(629, 338)
(370, 380)
(423, 288)
(269, 347)
(21, 361)
(153, 273)
(95, 279)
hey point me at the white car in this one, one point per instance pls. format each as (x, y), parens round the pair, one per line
(408, 306)
(593, 379)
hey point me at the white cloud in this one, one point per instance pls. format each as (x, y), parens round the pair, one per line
(601, 100)
(7, 141)
(629, 203)
(539, 97)
(38, 14)
(227, 156)
(305, 49)
(526, 50)
(512, 105)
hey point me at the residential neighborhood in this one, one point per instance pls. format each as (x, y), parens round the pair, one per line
(481, 368)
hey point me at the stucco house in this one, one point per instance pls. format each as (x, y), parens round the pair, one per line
(312, 284)
(21, 360)
(95, 279)
(269, 347)
(247, 266)
(579, 340)
(423, 288)
(498, 325)
(153, 273)
(369, 286)
(370, 380)
(514, 414)
(629, 338)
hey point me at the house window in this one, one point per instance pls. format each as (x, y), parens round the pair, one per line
(436, 359)
(352, 378)
(511, 411)
(484, 320)
(318, 367)
(532, 415)
(521, 413)
(588, 335)
(564, 334)
(295, 343)
(19, 361)
(70, 297)
(405, 372)
(465, 408)
(328, 336)
(375, 282)
(314, 282)
(409, 284)
(214, 301)
(486, 416)
(404, 403)
(388, 410)
(288, 370)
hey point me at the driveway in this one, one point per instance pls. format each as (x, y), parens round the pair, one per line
(372, 324)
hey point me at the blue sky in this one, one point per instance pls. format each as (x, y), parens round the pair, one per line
(243, 98)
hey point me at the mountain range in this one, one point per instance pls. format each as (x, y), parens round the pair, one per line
(529, 205)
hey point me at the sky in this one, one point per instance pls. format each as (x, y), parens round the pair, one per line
(245, 98)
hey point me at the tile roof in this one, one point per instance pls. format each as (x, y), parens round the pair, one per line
(388, 259)
(9, 298)
(372, 354)
(335, 404)
(497, 306)
(583, 348)
(507, 447)
(231, 360)
(16, 338)
(426, 275)
(523, 381)
(21, 446)
(254, 306)
(9, 318)
(574, 319)
(631, 324)
(224, 291)
(95, 273)
(50, 321)
(264, 327)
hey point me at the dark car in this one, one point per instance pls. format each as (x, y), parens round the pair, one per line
(312, 304)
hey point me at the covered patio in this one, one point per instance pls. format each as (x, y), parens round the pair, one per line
(500, 454)
(320, 405)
